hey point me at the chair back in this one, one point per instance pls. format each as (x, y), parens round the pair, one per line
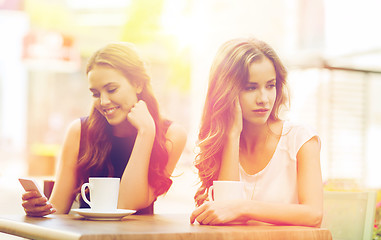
(349, 215)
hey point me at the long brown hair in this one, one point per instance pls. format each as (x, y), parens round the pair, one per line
(228, 76)
(124, 58)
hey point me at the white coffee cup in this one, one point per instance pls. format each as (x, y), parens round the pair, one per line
(104, 192)
(227, 190)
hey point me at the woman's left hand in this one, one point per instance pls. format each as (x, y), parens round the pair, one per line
(236, 126)
(140, 117)
(214, 213)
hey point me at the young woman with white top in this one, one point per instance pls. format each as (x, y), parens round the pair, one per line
(243, 138)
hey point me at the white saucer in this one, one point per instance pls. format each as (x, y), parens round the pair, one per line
(93, 215)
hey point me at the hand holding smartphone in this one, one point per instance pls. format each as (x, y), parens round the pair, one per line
(34, 206)
(31, 185)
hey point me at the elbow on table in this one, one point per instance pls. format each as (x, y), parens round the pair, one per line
(315, 218)
(136, 205)
(132, 206)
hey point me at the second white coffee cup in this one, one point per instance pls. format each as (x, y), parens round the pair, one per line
(104, 192)
(227, 190)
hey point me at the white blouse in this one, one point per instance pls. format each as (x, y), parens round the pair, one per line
(277, 182)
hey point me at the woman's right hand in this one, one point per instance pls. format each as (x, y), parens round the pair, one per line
(140, 117)
(36, 206)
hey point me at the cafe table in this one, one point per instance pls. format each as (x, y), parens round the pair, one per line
(158, 227)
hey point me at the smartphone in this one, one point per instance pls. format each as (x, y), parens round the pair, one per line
(31, 185)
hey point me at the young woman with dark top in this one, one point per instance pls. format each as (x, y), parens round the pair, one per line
(124, 136)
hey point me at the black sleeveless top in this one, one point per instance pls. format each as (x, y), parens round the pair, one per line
(120, 154)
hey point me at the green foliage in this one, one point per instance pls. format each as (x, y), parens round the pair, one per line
(181, 71)
(377, 233)
(144, 21)
(377, 221)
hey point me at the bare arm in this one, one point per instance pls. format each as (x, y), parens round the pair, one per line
(229, 169)
(307, 213)
(134, 181)
(134, 189)
(63, 192)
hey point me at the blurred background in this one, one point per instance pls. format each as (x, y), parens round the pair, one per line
(332, 49)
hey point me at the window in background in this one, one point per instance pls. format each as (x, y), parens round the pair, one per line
(341, 105)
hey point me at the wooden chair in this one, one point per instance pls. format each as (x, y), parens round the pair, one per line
(48, 187)
(349, 215)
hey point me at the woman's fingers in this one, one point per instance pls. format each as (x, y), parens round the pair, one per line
(196, 213)
(140, 117)
(32, 202)
(36, 206)
(41, 212)
(213, 213)
(202, 214)
(29, 195)
(210, 219)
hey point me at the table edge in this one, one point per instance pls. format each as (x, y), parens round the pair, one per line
(27, 230)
